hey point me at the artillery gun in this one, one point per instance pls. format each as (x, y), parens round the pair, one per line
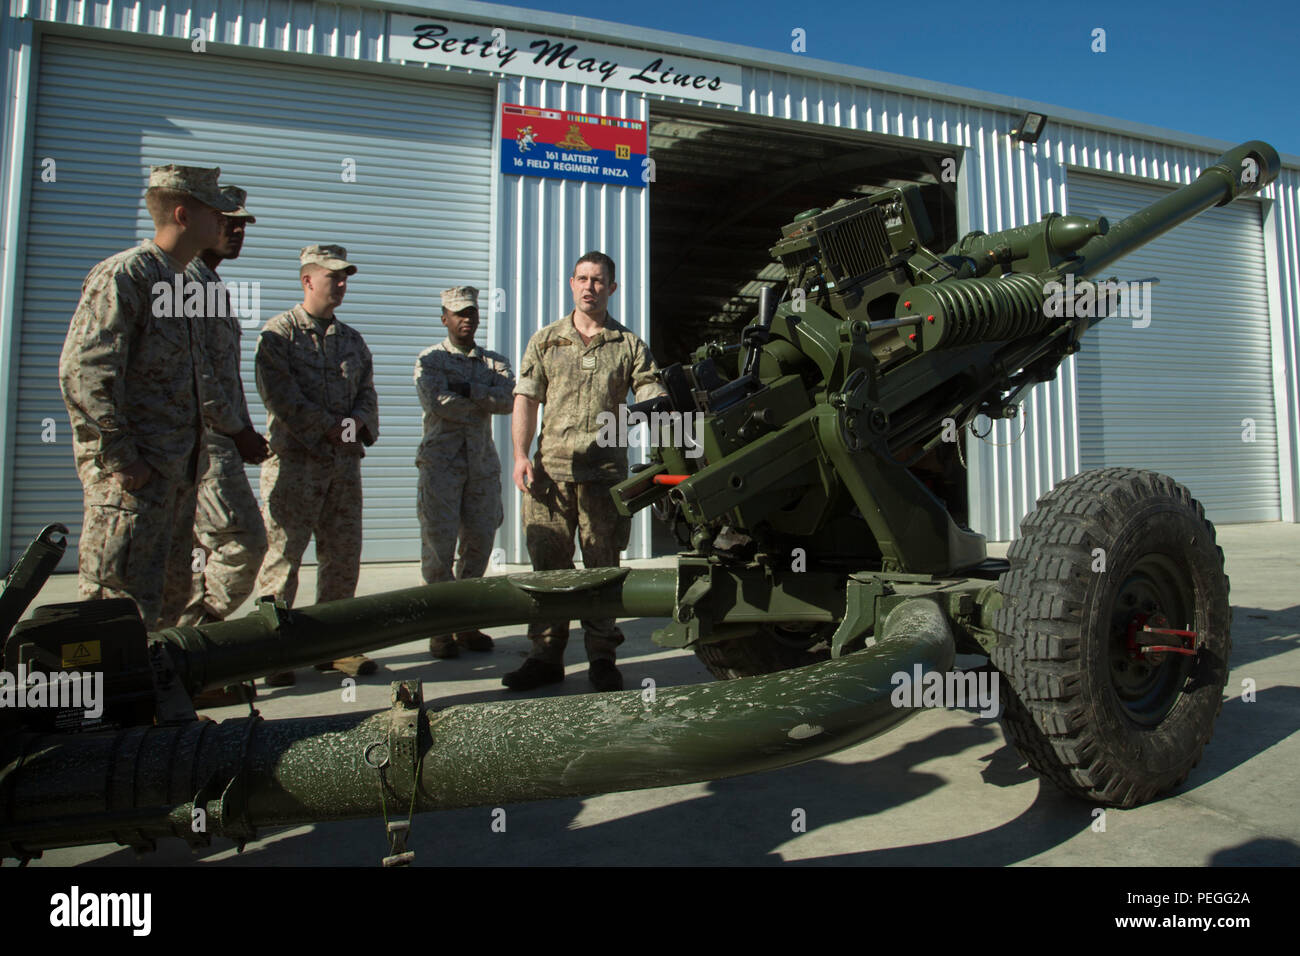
(817, 566)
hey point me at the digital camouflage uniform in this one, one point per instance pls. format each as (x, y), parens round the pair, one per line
(227, 522)
(310, 376)
(130, 380)
(460, 471)
(572, 474)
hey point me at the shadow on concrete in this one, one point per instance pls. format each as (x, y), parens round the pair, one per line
(1258, 633)
(1245, 729)
(310, 682)
(1262, 852)
(1004, 767)
(1052, 819)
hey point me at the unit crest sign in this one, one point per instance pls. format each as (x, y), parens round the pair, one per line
(565, 145)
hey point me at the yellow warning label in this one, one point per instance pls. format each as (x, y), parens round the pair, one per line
(81, 654)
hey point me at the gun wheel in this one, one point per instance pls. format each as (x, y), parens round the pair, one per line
(766, 650)
(1113, 564)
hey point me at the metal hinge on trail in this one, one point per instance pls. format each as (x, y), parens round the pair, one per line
(401, 751)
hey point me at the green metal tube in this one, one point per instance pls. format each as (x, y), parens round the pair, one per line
(1241, 170)
(29, 575)
(572, 746)
(137, 785)
(270, 639)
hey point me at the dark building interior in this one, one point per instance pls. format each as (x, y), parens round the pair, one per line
(722, 191)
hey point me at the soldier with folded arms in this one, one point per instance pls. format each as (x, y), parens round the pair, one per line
(461, 387)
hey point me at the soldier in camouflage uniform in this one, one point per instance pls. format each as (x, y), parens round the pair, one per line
(228, 529)
(316, 378)
(227, 523)
(582, 365)
(130, 376)
(461, 387)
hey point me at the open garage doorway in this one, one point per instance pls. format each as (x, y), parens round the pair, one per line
(723, 189)
(725, 185)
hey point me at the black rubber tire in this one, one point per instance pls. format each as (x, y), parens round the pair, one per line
(1088, 714)
(762, 652)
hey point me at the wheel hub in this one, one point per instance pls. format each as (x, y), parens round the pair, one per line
(1151, 656)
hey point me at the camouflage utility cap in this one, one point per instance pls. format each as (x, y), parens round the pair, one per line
(196, 181)
(460, 297)
(331, 257)
(238, 197)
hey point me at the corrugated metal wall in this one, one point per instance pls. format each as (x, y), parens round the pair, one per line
(16, 40)
(540, 223)
(1152, 161)
(1169, 390)
(397, 170)
(1281, 245)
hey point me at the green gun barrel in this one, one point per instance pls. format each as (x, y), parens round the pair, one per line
(1242, 170)
(200, 779)
(274, 638)
(963, 312)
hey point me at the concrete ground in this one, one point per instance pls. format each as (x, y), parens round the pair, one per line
(944, 788)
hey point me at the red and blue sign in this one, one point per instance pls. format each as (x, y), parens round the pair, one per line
(565, 145)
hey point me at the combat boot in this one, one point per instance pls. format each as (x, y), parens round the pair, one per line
(474, 640)
(534, 673)
(225, 696)
(358, 665)
(604, 675)
(444, 646)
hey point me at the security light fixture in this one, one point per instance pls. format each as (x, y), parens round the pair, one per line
(1029, 128)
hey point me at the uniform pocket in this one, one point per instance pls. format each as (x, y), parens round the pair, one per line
(105, 546)
(173, 329)
(226, 506)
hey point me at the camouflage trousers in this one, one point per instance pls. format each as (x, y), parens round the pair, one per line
(228, 528)
(552, 512)
(303, 495)
(137, 545)
(456, 506)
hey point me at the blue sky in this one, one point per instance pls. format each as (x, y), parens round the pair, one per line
(1225, 70)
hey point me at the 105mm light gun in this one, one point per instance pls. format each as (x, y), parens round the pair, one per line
(810, 541)
(883, 350)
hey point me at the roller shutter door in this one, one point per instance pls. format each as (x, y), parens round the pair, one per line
(414, 218)
(1180, 395)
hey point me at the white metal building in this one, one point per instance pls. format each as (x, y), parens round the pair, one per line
(286, 97)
